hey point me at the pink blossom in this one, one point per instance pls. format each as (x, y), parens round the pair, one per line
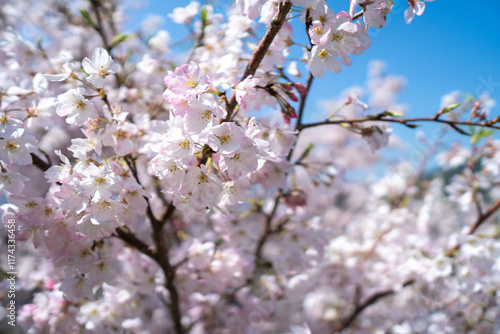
(376, 136)
(203, 187)
(78, 109)
(246, 90)
(99, 67)
(226, 138)
(17, 149)
(187, 79)
(415, 7)
(184, 15)
(321, 58)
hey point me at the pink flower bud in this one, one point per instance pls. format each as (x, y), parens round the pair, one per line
(296, 198)
(49, 284)
(293, 97)
(300, 87)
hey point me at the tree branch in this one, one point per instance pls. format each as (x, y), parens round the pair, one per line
(480, 220)
(484, 216)
(361, 307)
(267, 229)
(405, 121)
(162, 257)
(303, 98)
(161, 253)
(260, 51)
(131, 239)
(42, 165)
(99, 28)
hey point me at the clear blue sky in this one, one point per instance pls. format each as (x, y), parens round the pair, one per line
(455, 45)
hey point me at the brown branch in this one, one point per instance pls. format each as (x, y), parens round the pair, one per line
(483, 217)
(162, 257)
(303, 98)
(131, 239)
(161, 253)
(260, 51)
(42, 165)
(405, 121)
(99, 28)
(368, 302)
(267, 229)
(480, 220)
(357, 15)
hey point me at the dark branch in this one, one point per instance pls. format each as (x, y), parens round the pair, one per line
(42, 165)
(405, 121)
(483, 217)
(267, 229)
(303, 98)
(99, 27)
(162, 257)
(161, 253)
(480, 221)
(131, 239)
(260, 51)
(361, 307)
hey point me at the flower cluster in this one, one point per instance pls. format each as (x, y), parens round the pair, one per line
(205, 164)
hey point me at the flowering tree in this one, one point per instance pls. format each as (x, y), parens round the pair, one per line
(146, 193)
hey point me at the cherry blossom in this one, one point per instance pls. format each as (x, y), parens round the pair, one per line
(187, 79)
(321, 58)
(245, 90)
(376, 136)
(185, 14)
(202, 187)
(415, 7)
(74, 105)
(227, 138)
(374, 12)
(18, 148)
(64, 73)
(99, 67)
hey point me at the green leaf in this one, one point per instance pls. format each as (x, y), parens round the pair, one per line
(204, 15)
(346, 125)
(449, 108)
(391, 113)
(86, 16)
(219, 242)
(120, 38)
(481, 133)
(306, 152)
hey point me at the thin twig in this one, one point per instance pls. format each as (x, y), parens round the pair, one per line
(303, 98)
(99, 26)
(405, 121)
(483, 217)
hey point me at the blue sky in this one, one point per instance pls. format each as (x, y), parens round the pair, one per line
(455, 45)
